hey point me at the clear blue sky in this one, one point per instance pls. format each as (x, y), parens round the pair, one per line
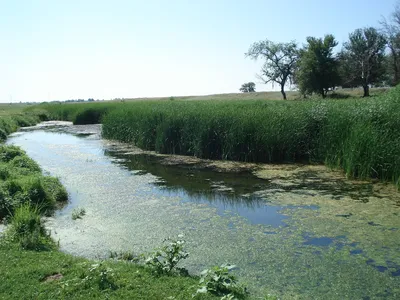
(103, 49)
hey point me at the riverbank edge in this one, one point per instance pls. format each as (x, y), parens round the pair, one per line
(48, 274)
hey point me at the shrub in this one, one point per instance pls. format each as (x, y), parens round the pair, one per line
(218, 281)
(4, 172)
(165, 259)
(7, 153)
(55, 189)
(3, 134)
(25, 162)
(27, 229)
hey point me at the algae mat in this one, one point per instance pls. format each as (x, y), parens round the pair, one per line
(316, 235)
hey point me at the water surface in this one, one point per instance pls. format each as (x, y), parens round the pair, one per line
(307, 237)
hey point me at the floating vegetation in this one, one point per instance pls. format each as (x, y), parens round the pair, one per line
(338, 237)
(78, 213)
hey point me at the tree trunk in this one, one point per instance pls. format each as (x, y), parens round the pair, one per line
(283, 92)
(396, 78)
(366, 90)
(323, 94)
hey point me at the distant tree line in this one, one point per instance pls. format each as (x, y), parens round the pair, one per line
(370, 57)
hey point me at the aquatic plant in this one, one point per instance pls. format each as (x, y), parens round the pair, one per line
(78, 213)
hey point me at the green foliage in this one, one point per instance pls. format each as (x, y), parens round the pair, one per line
(78, 113)
(28, 274)
(78, 213)
(55, 189)
(165, 259)
(101, 276)
(27, 230)
(89, 116)
(24, 162)
(249, 87)
(280, 61)
(21, 182)
(362, 59)
(220, 282)
(334, 132)
(317, 70)
(7, 153)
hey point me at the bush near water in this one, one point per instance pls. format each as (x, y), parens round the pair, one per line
(361, 136)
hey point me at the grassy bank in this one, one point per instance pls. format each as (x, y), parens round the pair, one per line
(360, 136)
(12, 116)
(22, 182)
(55, 275)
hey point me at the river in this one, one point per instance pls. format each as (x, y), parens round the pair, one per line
(304, 233)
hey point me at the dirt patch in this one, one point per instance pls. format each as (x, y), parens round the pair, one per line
(53, 277)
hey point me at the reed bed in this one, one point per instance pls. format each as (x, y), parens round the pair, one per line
(361, 136)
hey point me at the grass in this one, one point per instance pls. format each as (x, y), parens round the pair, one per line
(291, 95)
(12, 116)
(360, 136)
(22, 182)
(55, 275)
(27, 230)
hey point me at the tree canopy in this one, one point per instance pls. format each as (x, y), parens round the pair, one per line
(248, 87)
(318, 68)
(280, 61)
(362, 58)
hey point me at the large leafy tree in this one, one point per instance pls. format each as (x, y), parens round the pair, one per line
(280, 61)
(248, 87)
(363, 58)
(317, 70)
(391, 30)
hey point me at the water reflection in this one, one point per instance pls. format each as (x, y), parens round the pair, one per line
(232, 195)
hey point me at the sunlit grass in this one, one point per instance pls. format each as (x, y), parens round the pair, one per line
(360, 136)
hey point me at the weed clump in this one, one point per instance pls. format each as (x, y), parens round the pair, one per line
(27, 229)
(165, 259)
(218, 281)
(78, 213)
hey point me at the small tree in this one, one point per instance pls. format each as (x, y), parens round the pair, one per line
(280, 61)
(317, 67)
(362, 58)
(248, 87)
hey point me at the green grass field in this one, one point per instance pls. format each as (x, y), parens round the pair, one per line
(291, 95)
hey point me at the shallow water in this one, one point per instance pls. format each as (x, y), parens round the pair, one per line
(304, 236)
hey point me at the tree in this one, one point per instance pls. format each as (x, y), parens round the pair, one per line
(280, 61)
(317, 70)
(248, 87)
(391, 30)
(362, 58)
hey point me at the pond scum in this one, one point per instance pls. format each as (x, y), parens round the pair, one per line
(360, 136)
